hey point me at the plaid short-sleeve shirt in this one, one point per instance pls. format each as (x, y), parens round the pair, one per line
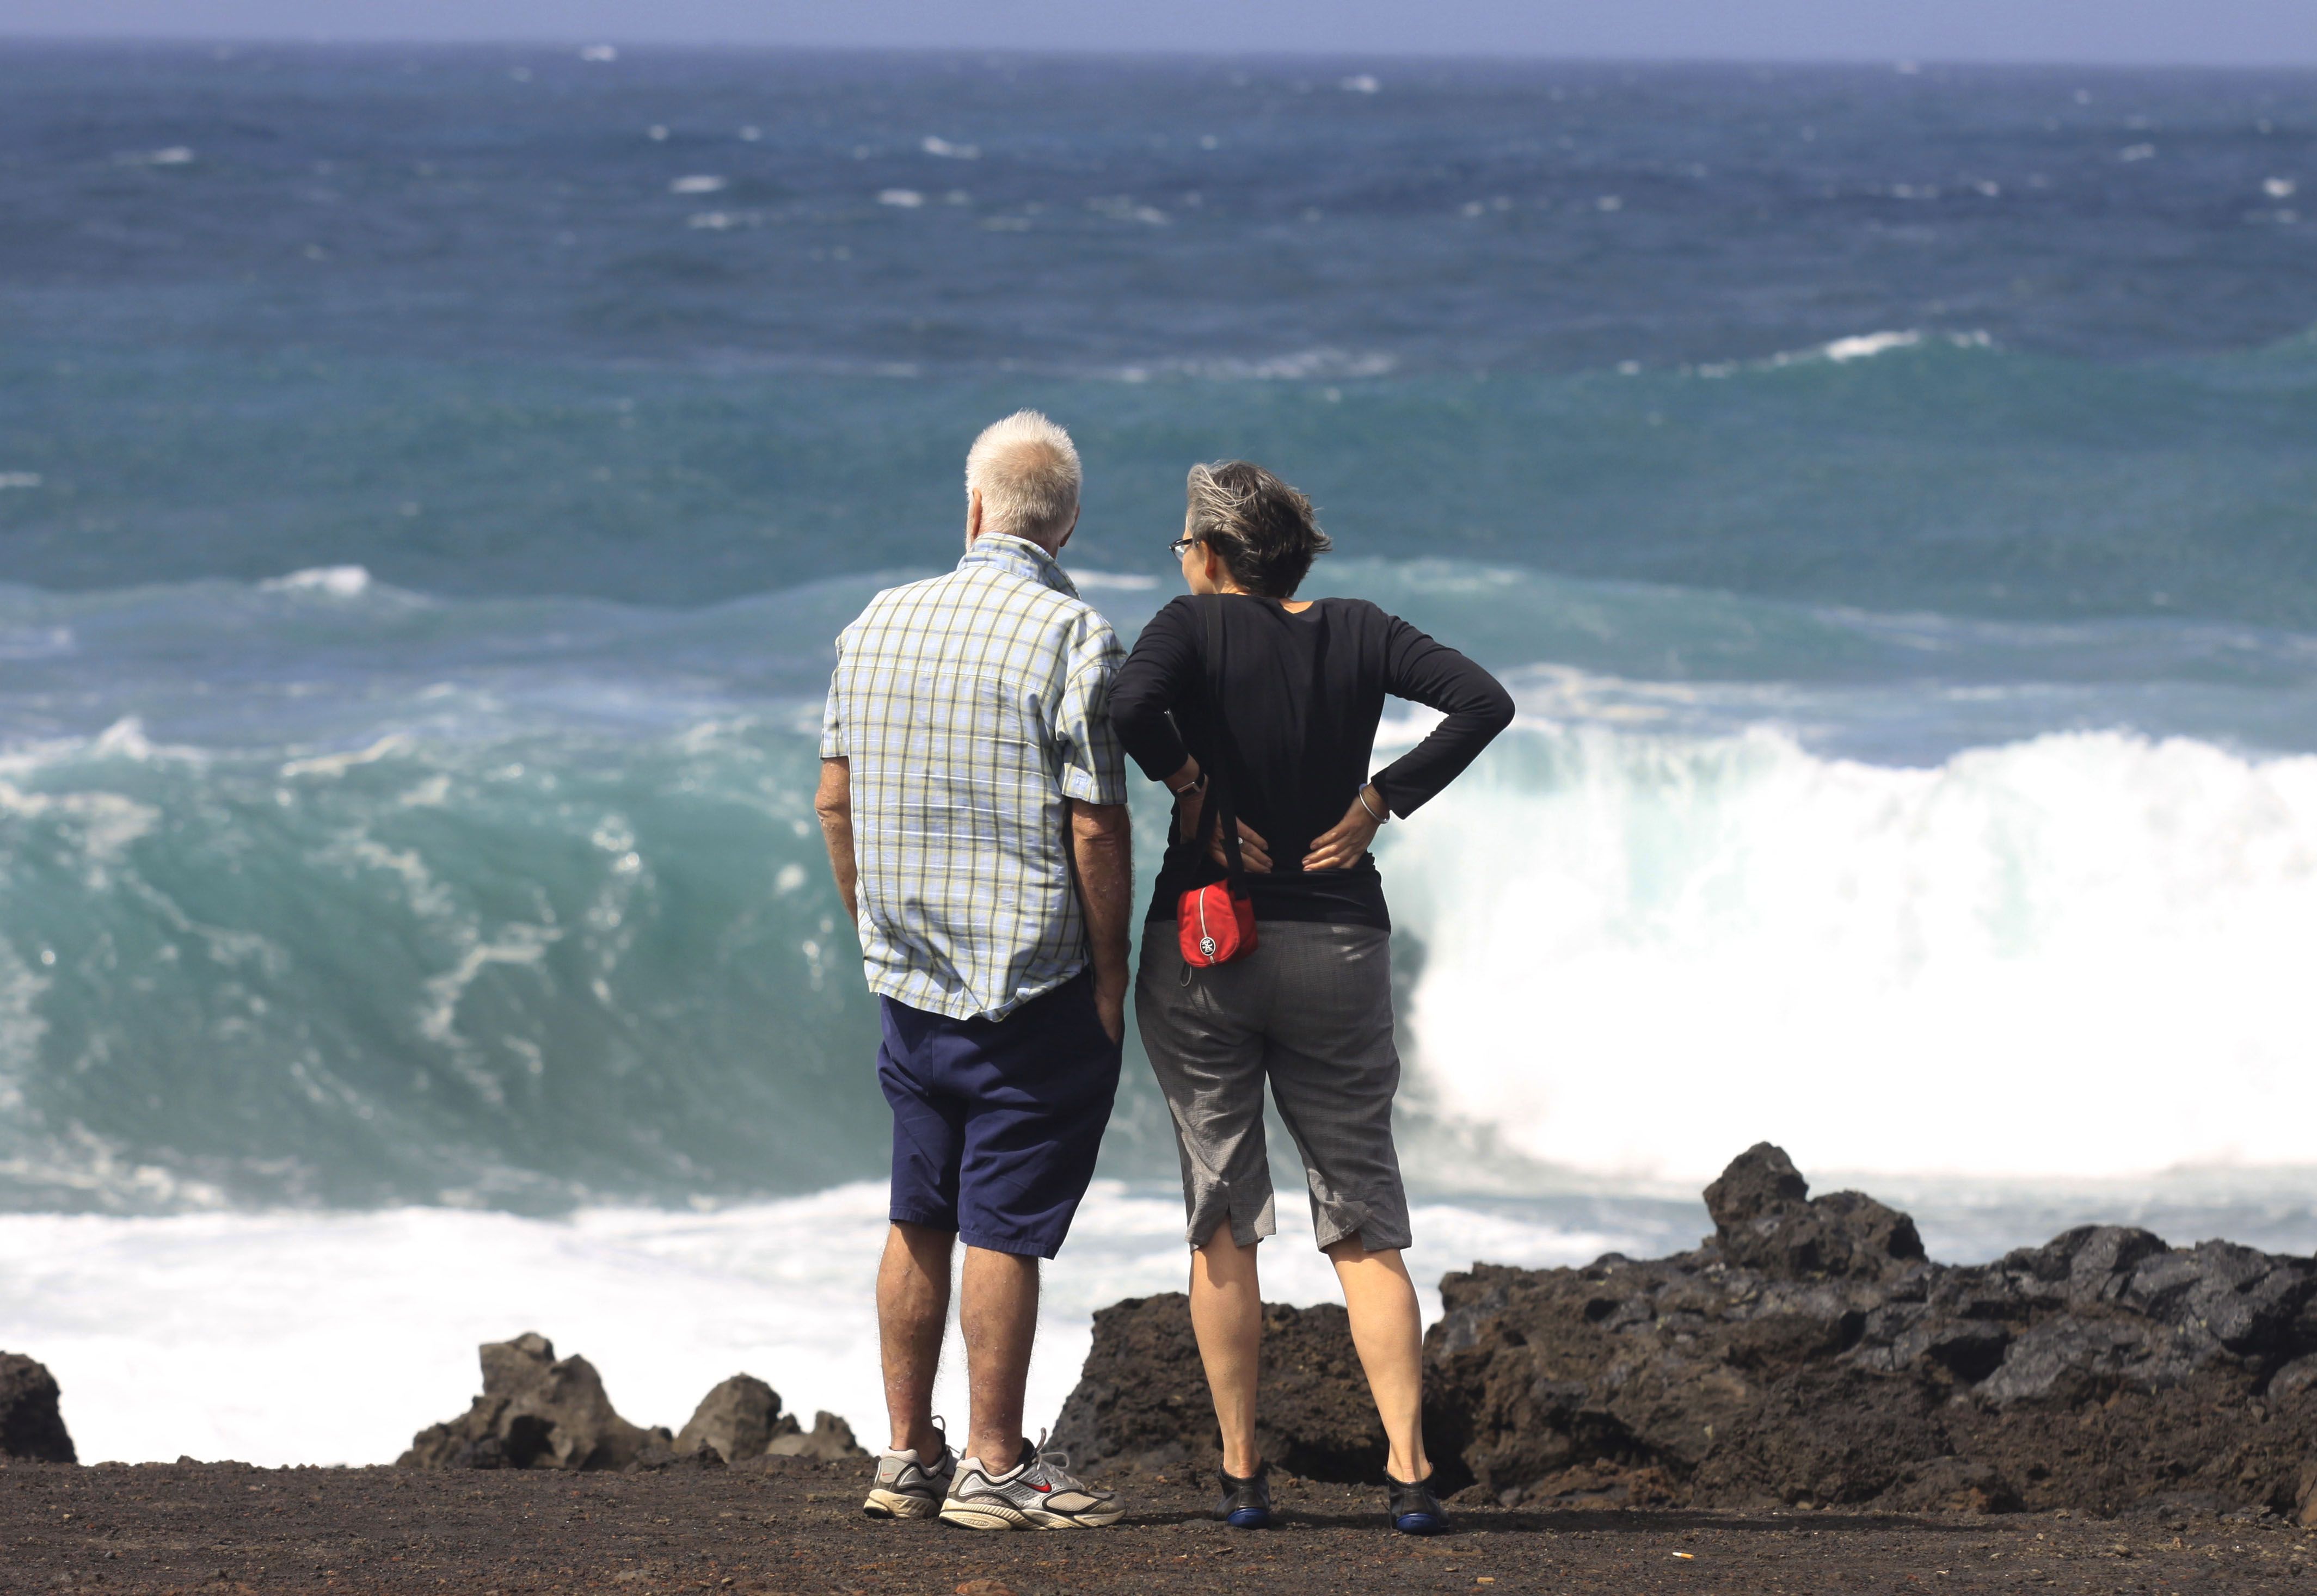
(971, 706)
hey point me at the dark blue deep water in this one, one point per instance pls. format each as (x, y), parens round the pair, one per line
(682, 326)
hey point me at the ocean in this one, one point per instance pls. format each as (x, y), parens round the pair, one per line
(431, 479)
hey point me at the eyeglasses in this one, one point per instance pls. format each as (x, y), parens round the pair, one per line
(1180, 546)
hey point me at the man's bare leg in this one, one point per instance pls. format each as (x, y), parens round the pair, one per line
(912, 1313)
(999, 1314)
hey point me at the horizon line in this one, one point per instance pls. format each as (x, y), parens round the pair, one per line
(1895, 64)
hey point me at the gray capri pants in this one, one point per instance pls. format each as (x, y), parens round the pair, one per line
(1310, 1011)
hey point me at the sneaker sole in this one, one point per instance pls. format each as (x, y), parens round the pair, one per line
(900, 1505)
(1098, 1520)
(999, 1515)
(993, 1515)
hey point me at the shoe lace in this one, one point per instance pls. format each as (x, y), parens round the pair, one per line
(1054, 1463)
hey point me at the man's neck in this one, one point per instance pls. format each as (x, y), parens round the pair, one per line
(1012, 538)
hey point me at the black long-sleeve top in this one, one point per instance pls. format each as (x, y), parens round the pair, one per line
(1302, 694)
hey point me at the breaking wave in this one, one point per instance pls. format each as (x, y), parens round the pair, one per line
(320, 891)
(2071, 957)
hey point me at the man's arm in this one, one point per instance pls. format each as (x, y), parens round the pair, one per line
(834, 803)
(1102, 846)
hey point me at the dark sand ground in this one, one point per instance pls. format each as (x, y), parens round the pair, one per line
(795, 1525)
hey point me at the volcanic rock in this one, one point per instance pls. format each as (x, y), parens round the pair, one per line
(1807, 1351)
(830, 1440)
(739, 1419)
(536, 1411)
(1141, 1401)
(32, 1424)
(1765, 1219)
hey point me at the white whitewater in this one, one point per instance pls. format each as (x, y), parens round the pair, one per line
(2083, 956)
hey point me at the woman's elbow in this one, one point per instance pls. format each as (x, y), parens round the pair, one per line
(1497, 708)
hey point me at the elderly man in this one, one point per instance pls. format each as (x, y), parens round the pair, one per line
(974, 802)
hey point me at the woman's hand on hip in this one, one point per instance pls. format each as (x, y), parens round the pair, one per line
(1345, 842)
(1254, 852)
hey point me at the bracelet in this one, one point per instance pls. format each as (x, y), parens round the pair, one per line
(1363, 796)
(1199, 785)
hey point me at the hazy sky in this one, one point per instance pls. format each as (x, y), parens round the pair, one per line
(2075, 31)
(2156, 31)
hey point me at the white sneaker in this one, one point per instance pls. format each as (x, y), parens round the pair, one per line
(909, 1487)
(1038, 1493)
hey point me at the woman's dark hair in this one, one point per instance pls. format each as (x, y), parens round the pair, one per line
(1262, 527)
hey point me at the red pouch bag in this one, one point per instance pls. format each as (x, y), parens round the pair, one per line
(1215, 924)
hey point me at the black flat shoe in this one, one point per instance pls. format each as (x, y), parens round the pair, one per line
(1246, 1504)
(1415, 1509)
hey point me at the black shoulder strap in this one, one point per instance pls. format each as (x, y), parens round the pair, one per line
(1219, 800)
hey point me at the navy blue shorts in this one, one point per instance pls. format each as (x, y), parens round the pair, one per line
(996, 1122)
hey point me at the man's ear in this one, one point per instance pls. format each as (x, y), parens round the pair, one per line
(1067, 530)
(972, 514)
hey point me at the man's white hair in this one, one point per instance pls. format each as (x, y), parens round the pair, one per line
(1026, 470)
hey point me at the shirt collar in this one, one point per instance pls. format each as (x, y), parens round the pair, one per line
(1019, 556)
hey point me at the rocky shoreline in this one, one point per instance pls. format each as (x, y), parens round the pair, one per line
(1805, 1354)
(1803, 1401)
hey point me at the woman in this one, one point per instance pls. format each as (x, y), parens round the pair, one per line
(1310, 1006)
